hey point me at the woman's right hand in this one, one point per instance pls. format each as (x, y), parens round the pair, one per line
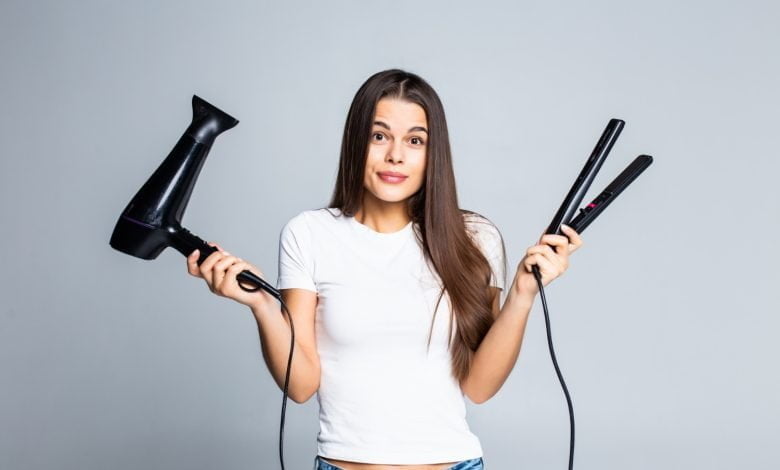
(220, 269)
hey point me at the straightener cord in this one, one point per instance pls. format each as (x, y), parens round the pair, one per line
(538, 277)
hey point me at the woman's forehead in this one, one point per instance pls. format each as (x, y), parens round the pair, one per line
(396, 111)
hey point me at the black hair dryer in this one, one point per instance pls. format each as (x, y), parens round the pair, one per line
(151, 221)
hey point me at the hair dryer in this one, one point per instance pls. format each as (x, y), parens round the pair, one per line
(152, 220)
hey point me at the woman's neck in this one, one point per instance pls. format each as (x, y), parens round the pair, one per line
(383, 217)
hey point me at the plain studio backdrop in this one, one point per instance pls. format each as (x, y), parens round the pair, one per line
(664, 325)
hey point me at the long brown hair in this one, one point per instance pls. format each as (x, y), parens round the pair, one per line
(440, 224)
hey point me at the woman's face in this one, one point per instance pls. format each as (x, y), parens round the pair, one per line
(399, 137)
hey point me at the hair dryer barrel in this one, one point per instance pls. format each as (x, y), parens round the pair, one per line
(152, 220)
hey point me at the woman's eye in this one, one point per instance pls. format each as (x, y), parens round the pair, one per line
(419, 140)
(378, 134)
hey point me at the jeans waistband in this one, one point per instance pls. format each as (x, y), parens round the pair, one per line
(471, 464)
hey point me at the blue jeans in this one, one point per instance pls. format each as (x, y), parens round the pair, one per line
(471, 464)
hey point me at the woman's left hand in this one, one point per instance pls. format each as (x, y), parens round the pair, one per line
(552, 264)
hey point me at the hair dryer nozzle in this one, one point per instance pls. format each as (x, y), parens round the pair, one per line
(208, 121)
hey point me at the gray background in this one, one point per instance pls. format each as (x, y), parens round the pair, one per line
(664, 324)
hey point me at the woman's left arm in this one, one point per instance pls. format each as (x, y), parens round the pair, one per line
(497, 353)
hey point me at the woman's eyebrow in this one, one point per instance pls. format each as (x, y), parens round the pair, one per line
(415, 128)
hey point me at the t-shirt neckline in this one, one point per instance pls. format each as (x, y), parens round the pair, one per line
(380, 235)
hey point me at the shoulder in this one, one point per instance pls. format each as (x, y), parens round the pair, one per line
(297, 225)
(309, 220)
(307, 215)
(296, 222)
(477, 225)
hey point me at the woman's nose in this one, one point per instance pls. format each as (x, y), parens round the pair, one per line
(394, 153)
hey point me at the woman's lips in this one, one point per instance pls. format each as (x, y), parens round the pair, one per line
(390, 178)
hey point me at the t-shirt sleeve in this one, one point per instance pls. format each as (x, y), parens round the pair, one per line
(492, 246)
(296, 261)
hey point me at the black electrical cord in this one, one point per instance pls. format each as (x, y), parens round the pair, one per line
(286, 383)
(278, 296)
(538, 277)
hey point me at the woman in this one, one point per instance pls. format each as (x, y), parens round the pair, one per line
(365, 278)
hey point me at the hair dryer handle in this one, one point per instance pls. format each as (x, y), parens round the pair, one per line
(186, 242)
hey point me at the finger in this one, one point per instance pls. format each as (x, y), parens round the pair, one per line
(192, 263)
(219, 270)
(553, 238)
(538, 259)
(559, 242)
(560, 261)
(215, 245)
(225, 262)
(559, 258)
(232, 273)
(207, 267)
(212, 259)
(574, 237)
(218, 250)
(530, 260)
(541, 248)
(238, 268)
(555, 259)
(547, 269)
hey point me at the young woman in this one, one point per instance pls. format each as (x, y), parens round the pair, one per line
(395, 293)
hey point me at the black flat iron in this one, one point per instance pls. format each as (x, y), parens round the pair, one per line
(581, 185)
(585, 217)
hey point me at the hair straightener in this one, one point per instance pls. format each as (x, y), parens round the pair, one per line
(586, 215)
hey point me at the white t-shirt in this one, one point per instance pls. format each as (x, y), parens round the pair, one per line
(383, 397)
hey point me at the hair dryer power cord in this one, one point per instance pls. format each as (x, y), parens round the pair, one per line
(286, 382)
(289, 366)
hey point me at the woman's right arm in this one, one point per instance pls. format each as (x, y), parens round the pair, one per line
(219, 270)
(274, 329)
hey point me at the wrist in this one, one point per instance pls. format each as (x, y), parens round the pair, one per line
(523, 299)
(262, 305)
(521, 294)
